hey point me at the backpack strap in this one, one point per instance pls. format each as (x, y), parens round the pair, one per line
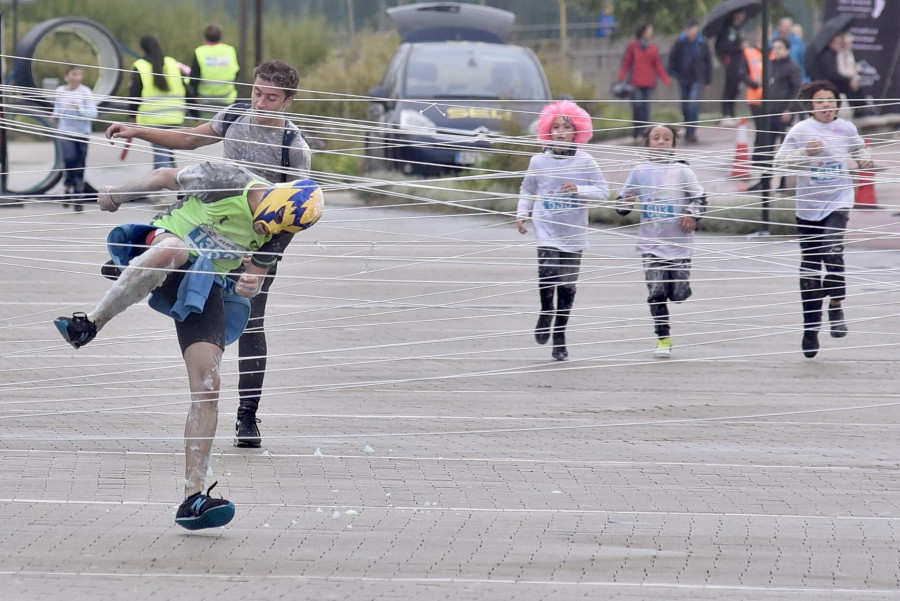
(286, 141)
(232, 113)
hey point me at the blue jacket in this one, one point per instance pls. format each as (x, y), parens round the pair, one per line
(690, 62)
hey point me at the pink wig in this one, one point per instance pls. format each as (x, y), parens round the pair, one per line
(584, 127)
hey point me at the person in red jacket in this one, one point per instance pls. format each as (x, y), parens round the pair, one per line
(641, 66)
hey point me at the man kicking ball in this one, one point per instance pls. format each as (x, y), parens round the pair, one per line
(181, 260)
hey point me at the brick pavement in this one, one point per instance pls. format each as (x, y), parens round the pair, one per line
(405, 386)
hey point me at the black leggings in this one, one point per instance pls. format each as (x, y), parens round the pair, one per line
(557, 274)
(821, 248)
(252, 350)
(667, 280)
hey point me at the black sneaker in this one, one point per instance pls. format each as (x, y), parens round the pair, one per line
(838, 325)
(542, 329)
(810, 343)
(111, 271)
(200, 511)
(78, 330)
(246, 432)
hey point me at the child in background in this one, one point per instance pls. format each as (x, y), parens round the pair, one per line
(819, 149)
(672, 201)
(74, 110)
(553, 194)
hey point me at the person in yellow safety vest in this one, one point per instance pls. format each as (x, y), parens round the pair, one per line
(214, 70)
(751, 75)
(158, 81)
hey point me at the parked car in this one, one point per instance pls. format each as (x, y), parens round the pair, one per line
(453, 86)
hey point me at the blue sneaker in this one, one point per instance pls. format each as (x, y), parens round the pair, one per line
(200, 511)
(78, 330)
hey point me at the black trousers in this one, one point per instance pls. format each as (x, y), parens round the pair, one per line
(821, 249)
(557, 274)
(253, 350)
(667, 280)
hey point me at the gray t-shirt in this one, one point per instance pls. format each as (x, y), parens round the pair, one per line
(258, 147)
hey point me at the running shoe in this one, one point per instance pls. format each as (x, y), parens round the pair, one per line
(560, 353)
(838, 325)
(246, 432)
(78, 330)
(663, 348)
(810, 343)
(542, 329)
(200, 511)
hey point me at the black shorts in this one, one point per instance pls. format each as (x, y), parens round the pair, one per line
(206, 326)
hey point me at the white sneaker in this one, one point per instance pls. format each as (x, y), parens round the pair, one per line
(729, 122)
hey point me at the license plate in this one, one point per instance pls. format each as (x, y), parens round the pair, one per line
(466, 158)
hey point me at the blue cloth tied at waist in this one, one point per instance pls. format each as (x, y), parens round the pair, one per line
(127, 241)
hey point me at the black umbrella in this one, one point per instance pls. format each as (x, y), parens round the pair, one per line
(831, 28)
(719, 16)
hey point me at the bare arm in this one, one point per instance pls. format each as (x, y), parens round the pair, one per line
(185, 138)
(110, 197)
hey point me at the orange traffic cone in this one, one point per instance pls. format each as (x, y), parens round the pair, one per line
(865, 189)
(741, 168)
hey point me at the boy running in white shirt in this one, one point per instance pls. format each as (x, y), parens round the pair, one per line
(819, 149)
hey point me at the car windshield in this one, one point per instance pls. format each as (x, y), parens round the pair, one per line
(458, 70)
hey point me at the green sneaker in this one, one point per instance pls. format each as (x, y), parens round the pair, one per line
(663, 348)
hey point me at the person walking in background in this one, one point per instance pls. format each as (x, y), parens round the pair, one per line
(785, 80)
(672, 201)
(157, 80)
(819, 149)
(214, 71)
(74, 110)
(786, 30)
(553, 194)
(641, 66)
(751, 71)
(690, 62)
(730, 52)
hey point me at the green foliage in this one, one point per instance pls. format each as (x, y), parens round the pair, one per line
(304, 43)
(350, 70)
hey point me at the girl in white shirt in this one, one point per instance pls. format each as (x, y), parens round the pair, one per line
(819, 149)
(672, 201)
(553, 194)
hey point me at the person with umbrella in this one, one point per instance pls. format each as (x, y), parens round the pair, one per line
(730, 52)
(822, 59)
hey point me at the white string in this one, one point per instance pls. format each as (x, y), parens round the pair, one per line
(43, 243)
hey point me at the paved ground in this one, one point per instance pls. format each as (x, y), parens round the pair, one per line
(419, 445)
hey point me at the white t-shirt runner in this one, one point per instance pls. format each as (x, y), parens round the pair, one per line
(560, 219)
(667, 191)
(824, 184)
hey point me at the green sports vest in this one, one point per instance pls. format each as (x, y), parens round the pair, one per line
(218, 70)
(160, 107)
(223, 230)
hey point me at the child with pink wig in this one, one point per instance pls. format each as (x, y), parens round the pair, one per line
(553, 194)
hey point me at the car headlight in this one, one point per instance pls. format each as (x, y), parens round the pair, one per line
(415, 122)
